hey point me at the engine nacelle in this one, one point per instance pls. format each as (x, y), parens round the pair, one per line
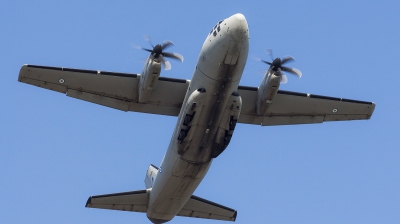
(267, 91)
(189, 123)
(148, 79)
(227, 124)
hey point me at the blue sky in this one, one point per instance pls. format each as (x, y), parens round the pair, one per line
(57, 151)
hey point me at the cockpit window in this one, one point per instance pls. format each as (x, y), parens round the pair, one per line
(216, 28)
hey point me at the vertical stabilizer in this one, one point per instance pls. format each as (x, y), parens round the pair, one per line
(151, 175)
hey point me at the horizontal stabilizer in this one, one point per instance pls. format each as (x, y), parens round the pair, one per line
(198, 207)
(133, 201)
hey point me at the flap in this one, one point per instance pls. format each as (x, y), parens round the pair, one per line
(134, 201)
(115, 90)
(301, 108)
(197, 207)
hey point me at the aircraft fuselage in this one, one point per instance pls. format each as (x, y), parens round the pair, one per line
(206, 120)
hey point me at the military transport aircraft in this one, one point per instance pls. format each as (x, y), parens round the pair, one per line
(208, 107)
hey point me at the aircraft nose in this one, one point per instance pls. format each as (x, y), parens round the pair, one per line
(239, 17)
(238, 27)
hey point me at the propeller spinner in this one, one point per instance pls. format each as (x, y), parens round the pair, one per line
(276, 65)
(158, 52)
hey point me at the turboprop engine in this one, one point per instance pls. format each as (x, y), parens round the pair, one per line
(148, 78)
(152, 68)
(271, 82)
(267, 91)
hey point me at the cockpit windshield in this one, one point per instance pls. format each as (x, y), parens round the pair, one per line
(216, 28)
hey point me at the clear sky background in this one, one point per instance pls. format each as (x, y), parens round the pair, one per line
(57, 151)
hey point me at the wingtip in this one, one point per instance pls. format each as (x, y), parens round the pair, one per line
(21, 72)
(373, 105)
(89, 202)
(234, 216)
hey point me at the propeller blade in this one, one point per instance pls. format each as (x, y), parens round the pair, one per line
(166, 44)
(266, 62)
(167, 65)
(173, 56)
(136, 46)
(269, 51)
(287, 59)
(256, 58)
(146, 49)
(140, 48)
(276, 66)
(157, 52)
(292, 70)
(284, 79)
(147, 38)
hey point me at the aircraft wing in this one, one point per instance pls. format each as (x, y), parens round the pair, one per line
(119, 91)
(115, 90)
(301, 108)
(134, 201)
(197, 207)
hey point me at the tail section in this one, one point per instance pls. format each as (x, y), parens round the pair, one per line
(138, 201)
(134, 201)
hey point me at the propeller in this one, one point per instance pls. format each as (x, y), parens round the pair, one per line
(276, 65)
(158, 52)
